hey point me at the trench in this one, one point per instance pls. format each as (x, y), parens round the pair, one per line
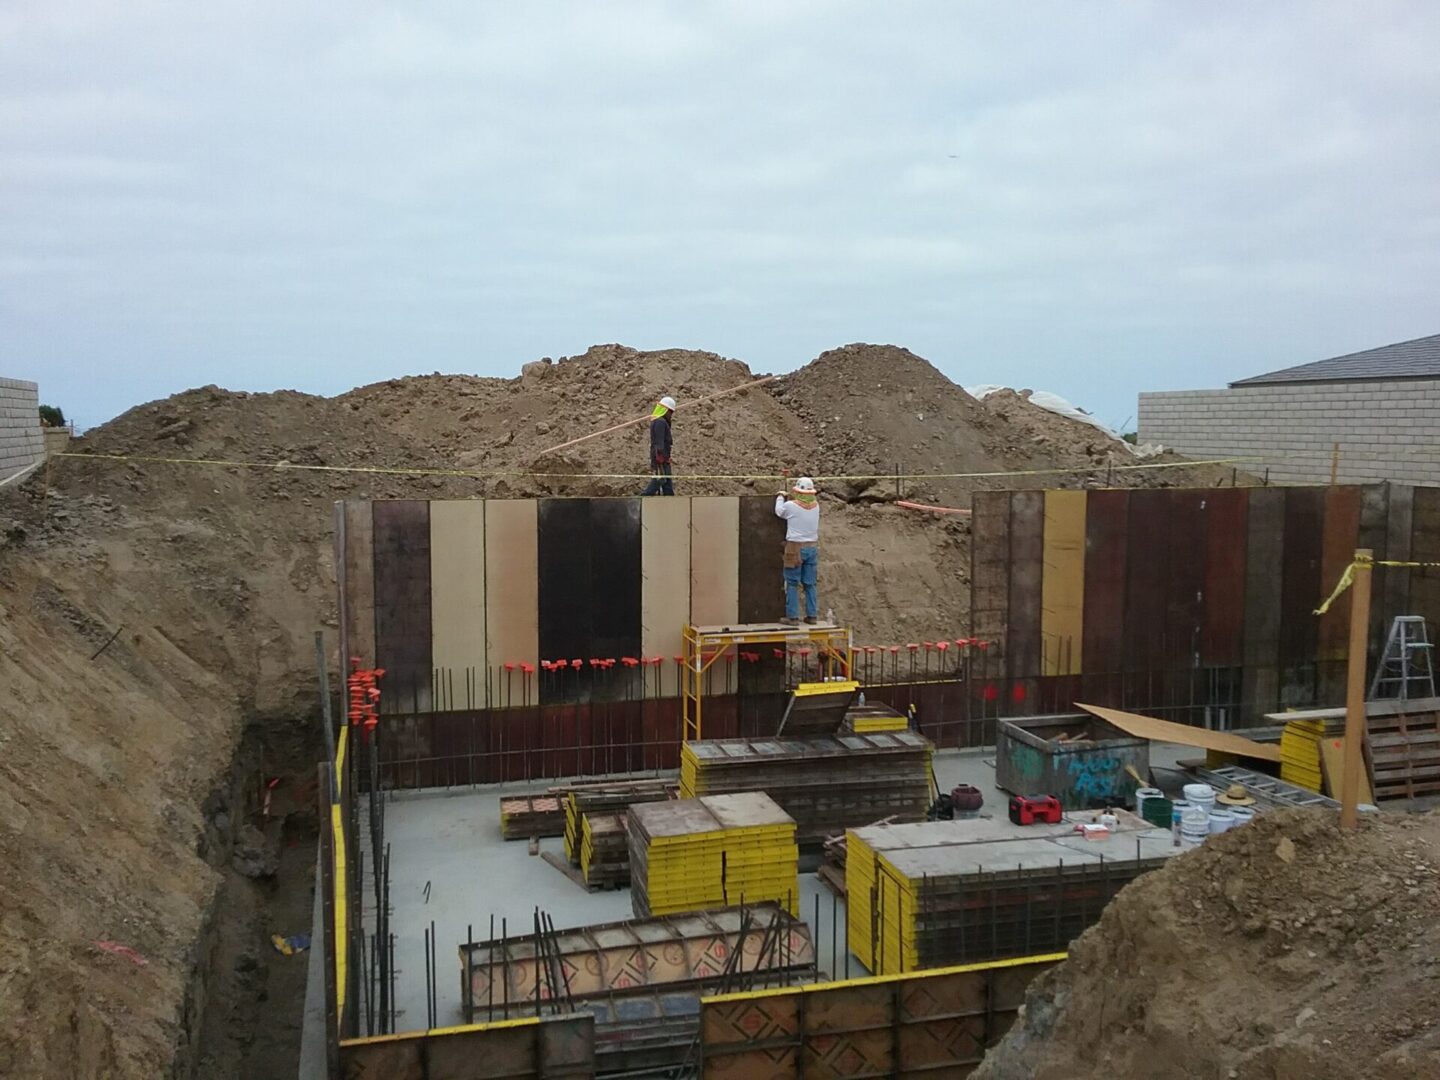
(245, 1007)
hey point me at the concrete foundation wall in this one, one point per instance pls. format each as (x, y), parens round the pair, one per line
(1386, 430)
(22, 440)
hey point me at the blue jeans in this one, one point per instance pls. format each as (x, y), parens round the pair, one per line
(661, 484)
(804, 574)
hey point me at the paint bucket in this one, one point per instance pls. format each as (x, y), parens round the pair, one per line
(1142, 795)
(1159, 812)
(1200, 795)
(1194, 824)
(1241, 814)
(1221, 821)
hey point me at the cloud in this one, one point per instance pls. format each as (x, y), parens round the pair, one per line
(1092, 201)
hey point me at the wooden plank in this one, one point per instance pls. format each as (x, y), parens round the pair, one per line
(1425, 547)
(1106, 513)
(1394, 594)
(1147, 572)
(1148, 727)
(359, 583)
(402, 603)
(1185, 584)
(615, 594)
(457, 604)
(762, 560)
(1374, 534)
(664, 578)
(1027, 553)
(1222, 642)
(1062, 587)
(1332, 756)
(512, 608)
(990, 569)
(1300, 593)
(1264, 552)
(715, 561)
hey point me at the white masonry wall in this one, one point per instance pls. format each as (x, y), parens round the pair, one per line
(22, 440)
(1386, 430)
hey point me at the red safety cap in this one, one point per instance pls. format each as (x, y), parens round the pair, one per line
(912, 646)
(509, 666)
(528, 669)
(576, 663)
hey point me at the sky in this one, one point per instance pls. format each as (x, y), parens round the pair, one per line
(1091, 199)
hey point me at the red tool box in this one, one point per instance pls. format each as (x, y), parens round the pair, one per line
(1028, 809)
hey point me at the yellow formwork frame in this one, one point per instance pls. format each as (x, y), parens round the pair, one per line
(704, 645)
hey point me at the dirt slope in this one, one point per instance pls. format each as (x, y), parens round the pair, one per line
(1285, 949)
(123, 778)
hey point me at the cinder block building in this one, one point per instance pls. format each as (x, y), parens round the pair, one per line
(22, 440)
(1381, 406)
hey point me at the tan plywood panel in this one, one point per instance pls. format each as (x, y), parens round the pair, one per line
(715, 560)
(512, 600)
(359, 583)
(1062, 589)
(664, 574)
(457, 595)
(1148, 727)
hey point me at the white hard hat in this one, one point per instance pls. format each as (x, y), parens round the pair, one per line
(668, 402)
(806, 485)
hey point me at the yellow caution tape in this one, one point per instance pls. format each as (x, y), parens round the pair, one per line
(1348, 577)
(478, 474)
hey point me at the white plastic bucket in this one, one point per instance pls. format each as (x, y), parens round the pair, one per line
(1194, 824)
(1200, 795)
(1141, 794)
(1241, 814)
(1221, 821)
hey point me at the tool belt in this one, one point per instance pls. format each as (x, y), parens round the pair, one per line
(792, 552)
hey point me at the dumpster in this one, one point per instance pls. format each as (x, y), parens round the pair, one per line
(1078, 758)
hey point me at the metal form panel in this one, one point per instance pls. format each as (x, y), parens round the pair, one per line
(1374, 514)
(548, 1048)
(512, 612)
(1264, 555)
(1223, 636)
(1147, 574)
(762, 560)
(1300, 593)
(665, 578)
(563, 549)
(402, 604)
(1185, 584)
(1106, 514)
(1425, 547)
(457, 593)
(1027, 553)
(990, 569)
(359, 537)
(1394, 586)
(715, 560)
(615, 596)
(1339, 538)
(1062, 587)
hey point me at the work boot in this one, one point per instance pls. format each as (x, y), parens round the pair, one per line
(787, 621)
(811, 619)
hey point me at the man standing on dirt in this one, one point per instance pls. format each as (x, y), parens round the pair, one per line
(660, 442)
(801, 512)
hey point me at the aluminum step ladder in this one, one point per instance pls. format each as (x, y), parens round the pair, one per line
(1265, 789)
(1407, 667)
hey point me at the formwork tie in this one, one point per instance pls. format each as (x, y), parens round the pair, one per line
(1348, 577)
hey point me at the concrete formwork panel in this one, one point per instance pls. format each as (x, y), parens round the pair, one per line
(457, 585)
(512, 610)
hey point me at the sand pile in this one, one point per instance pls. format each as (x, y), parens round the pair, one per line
(1283, 949)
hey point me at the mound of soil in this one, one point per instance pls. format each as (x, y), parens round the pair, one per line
(1283, 949)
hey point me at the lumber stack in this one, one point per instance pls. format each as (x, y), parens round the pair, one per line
(602, 798)
(1404, 740)
(869, 718)
(825, 783)
(524, 816)
(604, 851)
(710, 852)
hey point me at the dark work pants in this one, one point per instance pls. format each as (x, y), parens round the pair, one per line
(660, 484)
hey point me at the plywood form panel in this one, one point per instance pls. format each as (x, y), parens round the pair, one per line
(512, 608)
(715, 560)
(1394, 586)
(1374, 513)
(762, 560)
(1106, 513)
(402, 603)
(990, 568)
(457, 598)
(1223, 635)
(1147, 573)
(1027, 554)
(665, 575)
(1425, 547)
(359, 537)
(1185, 585)
(1062, 586)
(615, 593)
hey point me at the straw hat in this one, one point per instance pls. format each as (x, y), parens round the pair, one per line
(1236, 795)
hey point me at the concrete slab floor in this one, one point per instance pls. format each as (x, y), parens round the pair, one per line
(449, 865)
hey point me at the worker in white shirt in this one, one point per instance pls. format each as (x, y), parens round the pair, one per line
(800, 507)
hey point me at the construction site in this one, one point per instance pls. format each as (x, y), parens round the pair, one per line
(396, 735)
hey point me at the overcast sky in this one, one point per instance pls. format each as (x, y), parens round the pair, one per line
(1088, 198)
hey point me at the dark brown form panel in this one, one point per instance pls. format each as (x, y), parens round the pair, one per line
(762, 553)
(1223, 639)
(1264, 554)
(1425, 547)
(1106, 513)
(1027, 553)
(1340, 539)
(1147, 573)
(1300, 593)
(990, 568)
(615, 595)
(1374, 512)
(564, 545)
(1399, 525)
(359, 582)
(402, 603)
(1186, 583)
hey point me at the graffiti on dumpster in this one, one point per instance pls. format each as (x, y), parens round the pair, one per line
(1095, 777)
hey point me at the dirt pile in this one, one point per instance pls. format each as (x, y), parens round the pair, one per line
(1283, 949)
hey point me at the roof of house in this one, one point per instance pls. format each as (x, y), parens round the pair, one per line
(1417, 359)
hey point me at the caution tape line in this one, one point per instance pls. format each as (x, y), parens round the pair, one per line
(1348, 577)
(479, 474)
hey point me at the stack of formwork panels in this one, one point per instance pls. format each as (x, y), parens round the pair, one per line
(694, 854)
(872, 717)
(604, 851)
(603, 799)
(825, 784)
(525, 816)
(954, 892)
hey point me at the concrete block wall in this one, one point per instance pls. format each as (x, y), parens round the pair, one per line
(22, 440)
(1386, 430)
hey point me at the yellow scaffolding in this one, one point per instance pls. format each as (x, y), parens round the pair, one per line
(706, 644)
